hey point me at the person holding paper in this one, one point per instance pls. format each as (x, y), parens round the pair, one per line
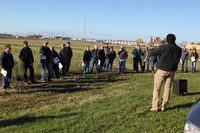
(55, 62)
(26, 56)
(46, 61)
(7, 64)
(62, 55)
(194, 57)
(66, 54)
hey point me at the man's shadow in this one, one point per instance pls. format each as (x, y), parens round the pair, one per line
(181, 106)
(193, 93)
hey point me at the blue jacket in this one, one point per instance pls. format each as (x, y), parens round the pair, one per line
(95, 54)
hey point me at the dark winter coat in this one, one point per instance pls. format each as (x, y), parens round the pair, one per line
(101, 54)
(169, 56)
(45, 51)
(112, 55)
(26, 55)
(87, 55)
(6, 60)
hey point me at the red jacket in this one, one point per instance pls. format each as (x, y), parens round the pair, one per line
(196, 55)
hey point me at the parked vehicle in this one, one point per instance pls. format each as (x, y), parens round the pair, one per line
(192, 124)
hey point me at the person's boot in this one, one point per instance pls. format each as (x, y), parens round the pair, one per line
(4, 92)
(163, 108)
(154, 110)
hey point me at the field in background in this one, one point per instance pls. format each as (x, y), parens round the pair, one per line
(107, 102)
(77, 47)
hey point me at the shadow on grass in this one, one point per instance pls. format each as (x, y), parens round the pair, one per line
(181, 106)
(193, 93)
(30, 119)
(58, 90)
(73, 84)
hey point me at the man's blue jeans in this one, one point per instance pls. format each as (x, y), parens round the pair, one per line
(49, 68)
(86, 67)
(193, 66)
(6, 79)
(184, 65)
(110, 65)
(122, 64)
(106, 64)
(94, 62)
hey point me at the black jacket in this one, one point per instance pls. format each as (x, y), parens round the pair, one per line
(26, 55)
(66, 54)
(112, 55)
(54, 55)
(101, 54)
(45, 51)
(87, 56)
(69, 52)
(169, 56)
(6, 60)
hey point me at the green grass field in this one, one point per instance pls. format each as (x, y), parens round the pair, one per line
(107, 102)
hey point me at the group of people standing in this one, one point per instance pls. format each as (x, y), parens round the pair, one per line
(51, 60)
(193, 60)
(140, 57)
(58, 63)
(165, 57)
(104, 58)
(99, 58)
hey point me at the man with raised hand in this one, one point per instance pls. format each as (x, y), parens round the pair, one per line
(169, 57)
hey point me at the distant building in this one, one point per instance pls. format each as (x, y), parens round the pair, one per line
(191, 46)
(91, 40)
(155, 41)
(120, 42)
(6, 36)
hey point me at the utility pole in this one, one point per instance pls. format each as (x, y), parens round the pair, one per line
(84, 27)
